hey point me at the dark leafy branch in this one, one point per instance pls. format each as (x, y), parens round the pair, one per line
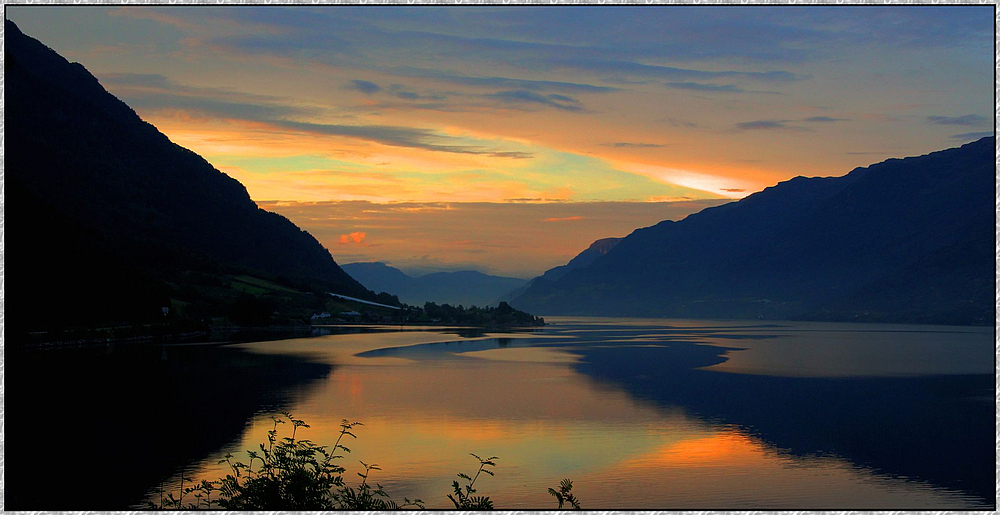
(463, 498)
(564, 496)
(290, 473)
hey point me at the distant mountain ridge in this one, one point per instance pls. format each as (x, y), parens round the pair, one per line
(465, 288)
(906, 240)
(123, 217)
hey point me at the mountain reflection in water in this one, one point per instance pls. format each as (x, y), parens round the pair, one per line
(911, 425)
(95, 428)
(652, 414)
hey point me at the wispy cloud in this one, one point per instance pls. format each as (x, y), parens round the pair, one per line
(785, 124)
(493, 82)
(675, 122)
(969, 136)
(757, 125)
(364, 86)
(969, 120)
(510, 83)
(627, 144)
(147, 80)
(534, 85)
(524, 97)
(160, 92)
(522, 200)
(409, 137)
(405, 93)
(679, 33)
(710, 88)
(635, 69)
(824, 119)
(512, 155)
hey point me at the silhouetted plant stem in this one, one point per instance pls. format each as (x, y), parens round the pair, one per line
(299, 475)
(179, 501)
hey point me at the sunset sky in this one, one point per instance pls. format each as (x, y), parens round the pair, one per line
(506, 139)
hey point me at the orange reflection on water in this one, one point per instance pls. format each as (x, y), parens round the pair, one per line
(731, 470)
(720, 449)
(425, 409)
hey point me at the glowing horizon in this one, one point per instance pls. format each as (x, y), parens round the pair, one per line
(507, 239)
(522, 105)
(486, 104)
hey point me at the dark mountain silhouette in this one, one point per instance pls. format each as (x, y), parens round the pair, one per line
(594, 251)
(464, 288)
(907, 240)
(123, 219)
(583, 259)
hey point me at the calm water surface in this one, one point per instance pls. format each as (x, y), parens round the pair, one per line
(639, 413)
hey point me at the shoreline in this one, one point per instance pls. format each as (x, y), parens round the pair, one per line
(224, 335)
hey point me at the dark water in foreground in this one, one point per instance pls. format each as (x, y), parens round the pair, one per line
(651, 414)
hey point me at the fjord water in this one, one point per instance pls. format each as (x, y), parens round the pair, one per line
(661, 413)
(638, 413)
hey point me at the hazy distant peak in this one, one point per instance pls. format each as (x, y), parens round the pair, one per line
(464, 273)
(370, 264)
(462, 287)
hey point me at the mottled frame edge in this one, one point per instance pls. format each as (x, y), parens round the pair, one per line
(996, 242)
(3, 147)
(996, 191)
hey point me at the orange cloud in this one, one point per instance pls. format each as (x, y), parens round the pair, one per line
(564, 219)
(354, 237)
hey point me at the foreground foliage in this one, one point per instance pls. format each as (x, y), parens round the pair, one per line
(564, 496)
(296, 474)
(463, 499)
